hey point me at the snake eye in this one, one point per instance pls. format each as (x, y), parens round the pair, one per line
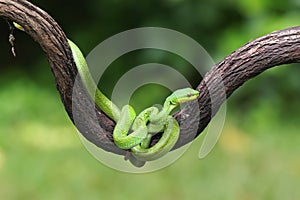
(174, 102)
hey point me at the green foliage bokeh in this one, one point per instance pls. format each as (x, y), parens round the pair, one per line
(41, 156)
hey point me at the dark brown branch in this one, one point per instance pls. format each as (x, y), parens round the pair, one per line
(274, 49)
(277, 48)
(45, 30)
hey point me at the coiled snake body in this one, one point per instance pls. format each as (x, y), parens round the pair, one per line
(133, 133)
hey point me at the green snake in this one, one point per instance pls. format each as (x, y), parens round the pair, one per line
(133, 133)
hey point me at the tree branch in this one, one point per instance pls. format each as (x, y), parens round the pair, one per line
(274, 49)
(253, 58)
(45, 31)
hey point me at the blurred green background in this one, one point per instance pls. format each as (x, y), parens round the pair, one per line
(257, 156)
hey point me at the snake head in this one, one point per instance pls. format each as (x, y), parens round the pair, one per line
(180, 96)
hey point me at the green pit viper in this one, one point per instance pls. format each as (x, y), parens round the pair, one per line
(133, 133)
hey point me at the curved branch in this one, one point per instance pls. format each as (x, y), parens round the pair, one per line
(274, 49)
(45, 31)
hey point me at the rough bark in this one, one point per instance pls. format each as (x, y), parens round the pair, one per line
(45, 31)
(277, 48)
